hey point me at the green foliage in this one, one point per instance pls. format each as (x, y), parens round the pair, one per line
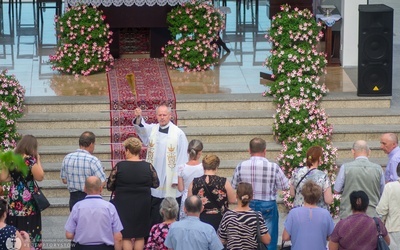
(12, 96)
(299, 116)
(84, 42)
(11, 161)
(295, 59)
(194, 25)
(300, 122)
(295, 150)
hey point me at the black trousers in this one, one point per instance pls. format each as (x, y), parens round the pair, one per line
(74, 197)
(77, 246)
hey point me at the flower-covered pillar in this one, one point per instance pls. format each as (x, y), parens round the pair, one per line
(12, 96)
(300, 121)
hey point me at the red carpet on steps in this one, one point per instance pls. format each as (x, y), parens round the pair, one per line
(153, 87)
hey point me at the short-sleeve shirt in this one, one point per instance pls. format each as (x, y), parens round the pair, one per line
(266, 177)
(93, 214)
(239, 229)
(188, 173)
(318, 176)
(158, 234)
(304, 224)
(357, 231)
(191, 233)
(79, 165)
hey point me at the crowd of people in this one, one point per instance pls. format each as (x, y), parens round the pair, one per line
(175, 199)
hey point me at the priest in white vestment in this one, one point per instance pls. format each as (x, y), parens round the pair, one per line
(166, 148)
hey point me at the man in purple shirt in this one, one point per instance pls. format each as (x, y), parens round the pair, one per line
(389, 145)
(94, 223)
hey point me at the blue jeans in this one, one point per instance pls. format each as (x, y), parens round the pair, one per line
(269, 211)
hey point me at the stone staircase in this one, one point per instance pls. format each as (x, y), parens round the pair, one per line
(224, 122)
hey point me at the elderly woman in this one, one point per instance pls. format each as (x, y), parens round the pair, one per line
(215, 192)
(169, 209)
(311, 172)
(24, 213)
(309, 226)
(238, 228)
(131, 181)
(358, 231)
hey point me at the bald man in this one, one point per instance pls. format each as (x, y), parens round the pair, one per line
(390, 145)
(93, 214)
(360, 174)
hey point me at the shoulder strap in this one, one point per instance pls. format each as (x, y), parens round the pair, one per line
(302, 178)
(377, 226)
(258, 227)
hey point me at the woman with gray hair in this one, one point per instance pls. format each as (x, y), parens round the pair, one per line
(169, 211)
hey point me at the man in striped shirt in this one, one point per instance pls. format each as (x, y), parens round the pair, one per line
(266, 178)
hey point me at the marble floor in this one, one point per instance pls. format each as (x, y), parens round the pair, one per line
(24, 52)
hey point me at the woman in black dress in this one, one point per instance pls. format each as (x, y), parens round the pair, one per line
(215, 192)
(131, 181)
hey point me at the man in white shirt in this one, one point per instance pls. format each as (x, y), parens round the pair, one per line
(166, 148)
(389, 209)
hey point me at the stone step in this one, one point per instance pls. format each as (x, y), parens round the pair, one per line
(206, 118)
(52, 169)
(62, 137)
(57, 153)
(364, 116)
(197, 102)
(55, 188)
(62, 104)
(66, 104)
(225, 151)
(227, 134)
(64, 120)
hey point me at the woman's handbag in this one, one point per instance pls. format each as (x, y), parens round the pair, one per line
(283, 247)
(41, 200)
(382, 245)
(260, 245)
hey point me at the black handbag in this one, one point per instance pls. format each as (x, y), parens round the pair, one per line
(283, 247)
(260, 245)
(40, 199)
(382, 245)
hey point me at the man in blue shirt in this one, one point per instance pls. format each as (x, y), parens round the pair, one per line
(389, 145)
(191, 233)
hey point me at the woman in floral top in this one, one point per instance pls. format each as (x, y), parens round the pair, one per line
(311, 172)
(214, 191)
(23, 212)
(169, 211)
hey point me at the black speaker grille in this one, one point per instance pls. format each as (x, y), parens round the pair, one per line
(376, 47)
(375, 50)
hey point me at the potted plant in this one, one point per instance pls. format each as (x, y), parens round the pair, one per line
(194, 26)
(84, 40)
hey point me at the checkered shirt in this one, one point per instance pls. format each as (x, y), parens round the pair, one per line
(79, 165)
(266, 177)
